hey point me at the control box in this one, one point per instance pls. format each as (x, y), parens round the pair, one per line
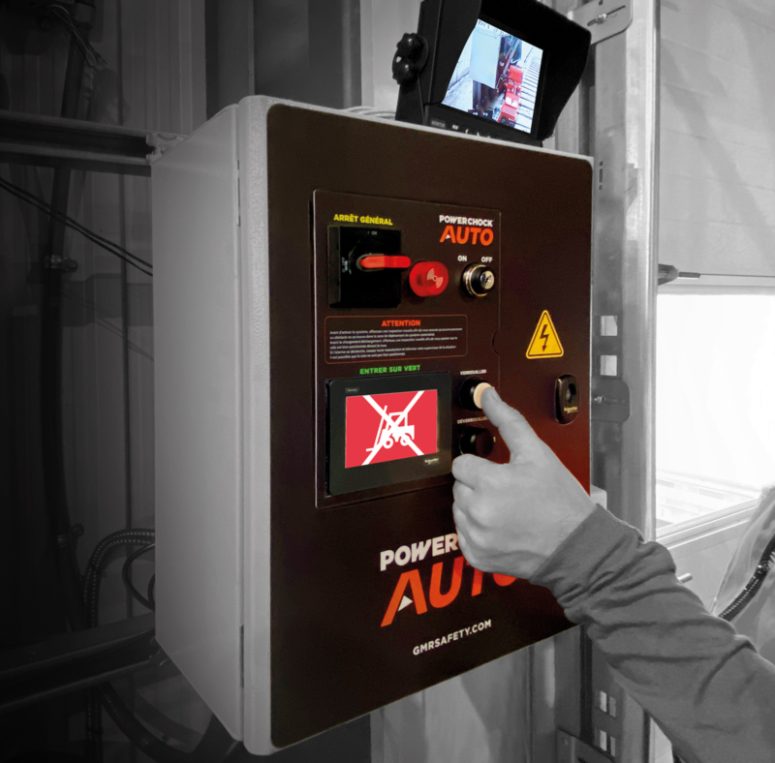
(332, 296)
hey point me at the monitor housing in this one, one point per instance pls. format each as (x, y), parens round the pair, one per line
(490, 68)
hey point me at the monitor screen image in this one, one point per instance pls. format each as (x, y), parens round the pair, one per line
(390, 426)
(496, 78)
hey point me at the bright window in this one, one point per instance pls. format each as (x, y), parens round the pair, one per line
(715, 403)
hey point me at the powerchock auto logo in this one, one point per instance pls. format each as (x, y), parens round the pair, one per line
(475, 231)
(450, 578)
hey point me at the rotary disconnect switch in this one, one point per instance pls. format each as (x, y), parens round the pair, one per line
(471, 393)
(478, 280)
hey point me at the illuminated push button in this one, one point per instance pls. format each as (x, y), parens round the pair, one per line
(478, 392)
(383, 262)
(429, 279)
(478, 280)
(471, 393)
(476, 441)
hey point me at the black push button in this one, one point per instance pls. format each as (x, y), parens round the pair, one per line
(471, 393)
(476, 440)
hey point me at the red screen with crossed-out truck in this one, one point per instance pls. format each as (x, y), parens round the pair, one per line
(390, 426)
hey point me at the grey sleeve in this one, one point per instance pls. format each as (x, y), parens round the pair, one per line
(707, 687)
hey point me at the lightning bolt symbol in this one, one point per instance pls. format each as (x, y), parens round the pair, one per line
(545, 336)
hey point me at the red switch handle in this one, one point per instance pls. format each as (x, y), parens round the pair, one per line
(383, 262)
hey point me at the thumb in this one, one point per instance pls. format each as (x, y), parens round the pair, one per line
(512, 425)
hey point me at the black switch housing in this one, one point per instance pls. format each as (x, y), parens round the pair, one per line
(566, 398)
(351, 286)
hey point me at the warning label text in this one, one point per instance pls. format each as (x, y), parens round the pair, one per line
(356, 339)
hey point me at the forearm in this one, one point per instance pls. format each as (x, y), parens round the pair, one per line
(707, 687)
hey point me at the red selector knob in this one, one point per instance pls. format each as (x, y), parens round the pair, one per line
(383, 262)
(429, 279)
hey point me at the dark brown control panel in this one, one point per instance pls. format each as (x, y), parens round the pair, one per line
(407, 270)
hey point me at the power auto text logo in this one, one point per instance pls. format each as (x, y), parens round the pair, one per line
(474, 231)
(416, 593)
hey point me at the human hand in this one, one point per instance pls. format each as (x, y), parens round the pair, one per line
(512, 517)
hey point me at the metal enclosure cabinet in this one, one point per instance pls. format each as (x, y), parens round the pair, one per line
(329, 294)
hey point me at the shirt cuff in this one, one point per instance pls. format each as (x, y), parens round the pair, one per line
(591, 558)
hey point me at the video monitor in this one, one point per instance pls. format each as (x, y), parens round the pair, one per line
(387, 431)
(497, 78)
(485, 67)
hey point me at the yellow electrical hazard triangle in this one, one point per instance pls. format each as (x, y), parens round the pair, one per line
(546, 341)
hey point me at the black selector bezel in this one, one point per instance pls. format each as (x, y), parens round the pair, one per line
(466, 392)
(472, 280)
(478, 441)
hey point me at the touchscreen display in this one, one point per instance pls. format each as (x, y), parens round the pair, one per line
(387, 431)
(496, 78)
(390, 426)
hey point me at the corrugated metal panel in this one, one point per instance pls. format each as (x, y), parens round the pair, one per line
(717, 168)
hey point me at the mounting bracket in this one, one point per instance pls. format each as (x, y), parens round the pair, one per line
(603, 18)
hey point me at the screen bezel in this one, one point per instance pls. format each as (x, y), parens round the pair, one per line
(342, 480)
(471, 123)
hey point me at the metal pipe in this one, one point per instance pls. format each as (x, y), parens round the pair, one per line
(73, 159)
(55, 485)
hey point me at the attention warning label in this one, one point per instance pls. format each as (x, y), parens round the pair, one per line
(351, 340)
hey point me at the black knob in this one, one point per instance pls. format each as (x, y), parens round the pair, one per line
(471, 393)
(410, 45)
(476, 441)
(478, 280)
(410, 58)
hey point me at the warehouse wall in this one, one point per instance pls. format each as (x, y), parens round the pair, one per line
(717, 136)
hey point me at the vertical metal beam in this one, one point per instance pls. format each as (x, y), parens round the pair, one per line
(334, 53)
(625, 268)
(351, 53)
(304, 50)
(613, 116)
(230, 58)
(624, 145)
(561, 684)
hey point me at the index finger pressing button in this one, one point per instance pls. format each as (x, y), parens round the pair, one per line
(516, 432)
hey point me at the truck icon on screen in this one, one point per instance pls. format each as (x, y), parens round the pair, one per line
(392, 428)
